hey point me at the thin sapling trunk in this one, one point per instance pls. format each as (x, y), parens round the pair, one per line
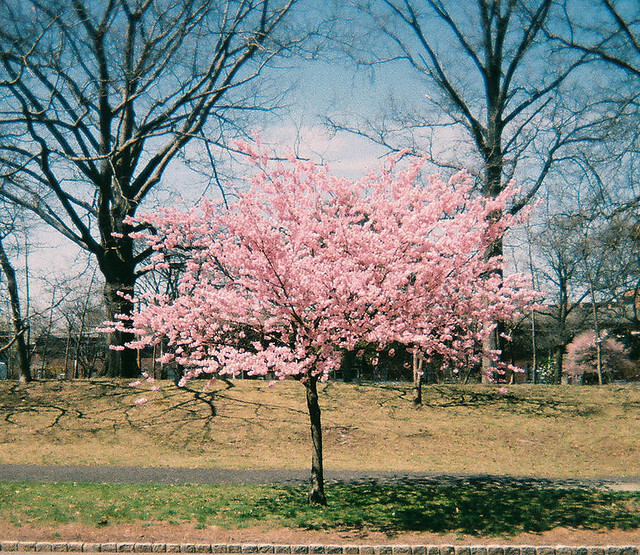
(316, 493)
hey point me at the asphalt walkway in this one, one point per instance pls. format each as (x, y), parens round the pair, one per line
(139, 475)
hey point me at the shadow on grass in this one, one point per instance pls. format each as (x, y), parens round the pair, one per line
(515, 401)
(476, 508)
(541, 405)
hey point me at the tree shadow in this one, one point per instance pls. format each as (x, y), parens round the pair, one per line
(474, 505)
(458, 395)
(181, 416)
(58, 406)
(461, 396)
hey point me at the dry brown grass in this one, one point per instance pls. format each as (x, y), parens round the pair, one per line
(544, 431)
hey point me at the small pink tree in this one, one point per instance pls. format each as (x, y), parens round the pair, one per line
(306, 265)
(607, 360)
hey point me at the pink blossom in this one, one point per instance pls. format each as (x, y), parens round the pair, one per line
(582, 356)
(140, 401)
(503, 391)
(306, 265)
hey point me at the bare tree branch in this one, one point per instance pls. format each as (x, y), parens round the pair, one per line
(100, 98)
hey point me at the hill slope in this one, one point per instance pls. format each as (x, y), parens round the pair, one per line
(545, 431)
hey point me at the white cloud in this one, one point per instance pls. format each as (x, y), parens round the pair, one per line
(347, 155)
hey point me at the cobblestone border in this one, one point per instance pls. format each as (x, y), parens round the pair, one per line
(311, 549)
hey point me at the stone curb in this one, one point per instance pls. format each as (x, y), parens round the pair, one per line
(311, 549)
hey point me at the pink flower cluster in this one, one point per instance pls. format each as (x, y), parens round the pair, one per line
(305, 265)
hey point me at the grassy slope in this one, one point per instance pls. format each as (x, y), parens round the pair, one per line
(534, 430)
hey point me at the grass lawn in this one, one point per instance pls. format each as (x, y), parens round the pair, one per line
(481, 510)
(544, 431)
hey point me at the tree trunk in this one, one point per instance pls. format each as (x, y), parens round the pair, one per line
(47, 337)
(83, 321)
(417, 380)
(27, 298)
(316, 493)
(19, 327)
(596, 331)
(490, 344)
(122, 361)
(534, 348)
(492, 187)
(75, 372)
(559, 356)
(348, 365)
(67, 352)
(534, 326)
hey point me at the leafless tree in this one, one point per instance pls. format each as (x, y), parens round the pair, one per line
(621, 275)
(495, 88)
(18, 323)
(586, 254)
(558, 268)
(608, 31)
(44, 339)
(83, 349)
(605, 29)
(479, 65)
(99, 98)
(78, 316)
(611, 266)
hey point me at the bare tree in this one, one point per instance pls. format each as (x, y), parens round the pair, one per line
(99, 98)
(608, 30)
(487, 91)
(611, 269)
(558, 259)
(621, 275)
(587, 249)
(82, 311)
(18, 323)
(480, 67)
(44, 339)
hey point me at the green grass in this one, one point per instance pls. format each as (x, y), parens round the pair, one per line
(477, 509)
(546, 431)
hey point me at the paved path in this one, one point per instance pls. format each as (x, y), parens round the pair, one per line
(137, 475)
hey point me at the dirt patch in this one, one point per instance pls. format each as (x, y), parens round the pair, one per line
(188, 533)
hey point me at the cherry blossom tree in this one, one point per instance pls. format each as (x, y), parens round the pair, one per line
(305, 266)
(600, 358)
